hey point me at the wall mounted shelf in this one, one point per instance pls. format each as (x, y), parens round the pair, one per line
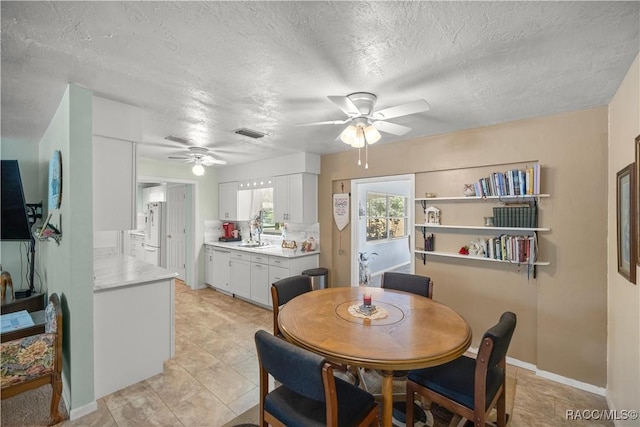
(476, 258)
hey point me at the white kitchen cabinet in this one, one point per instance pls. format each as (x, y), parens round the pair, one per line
(220, 270)
(137, 246)
(157, 193)
(277, 273)
(295, 198)
(114, 177)
(249, 274)
(208, 265)
(116, 129)
(260, 279)
(228, 201)
(240, 274)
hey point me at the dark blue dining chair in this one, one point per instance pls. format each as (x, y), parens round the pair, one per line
(469, 387)
(308, 395)
(419, 285)
(283, 291)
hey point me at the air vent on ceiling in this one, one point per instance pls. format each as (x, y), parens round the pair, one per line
(250, 133)
(177, 139)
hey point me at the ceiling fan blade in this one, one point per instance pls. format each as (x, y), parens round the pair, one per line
(208, 161)
(391, 128)
(329, 122)
(402, 110)
(345, 104)
(180, 158)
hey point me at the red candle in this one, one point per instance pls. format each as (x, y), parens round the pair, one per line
(366, 299)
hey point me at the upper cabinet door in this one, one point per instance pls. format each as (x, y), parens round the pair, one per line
(295, 198)
(116, 129)
(228, 201)
(114, 177)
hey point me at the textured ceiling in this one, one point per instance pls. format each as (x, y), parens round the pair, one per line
(202, 69)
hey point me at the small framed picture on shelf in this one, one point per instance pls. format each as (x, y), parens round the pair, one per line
(626, 211)
(636, 193)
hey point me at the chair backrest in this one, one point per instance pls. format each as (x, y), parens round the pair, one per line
(285, 290)
(298, 369)
(53, 325)
(500, 334)
(419, 285)
(495, 342)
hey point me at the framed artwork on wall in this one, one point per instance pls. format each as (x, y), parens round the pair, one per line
(625, 212)
(55, 180)
(637, 195)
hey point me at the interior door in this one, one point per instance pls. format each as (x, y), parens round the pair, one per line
(176, 248)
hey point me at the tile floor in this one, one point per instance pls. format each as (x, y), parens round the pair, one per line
(214, 375)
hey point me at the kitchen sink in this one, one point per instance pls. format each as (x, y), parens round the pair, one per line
(253, 245)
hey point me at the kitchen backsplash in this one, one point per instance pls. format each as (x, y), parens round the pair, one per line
(291, 231)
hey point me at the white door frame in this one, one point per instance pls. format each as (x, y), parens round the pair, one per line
(194, 233)
(355, 185)
(171, 241)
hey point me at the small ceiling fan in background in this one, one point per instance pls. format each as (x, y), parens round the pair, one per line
(365, 122)
(200, 157)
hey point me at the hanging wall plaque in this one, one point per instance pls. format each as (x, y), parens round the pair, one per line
(341, 210)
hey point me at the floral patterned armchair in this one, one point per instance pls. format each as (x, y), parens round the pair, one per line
(36, 360)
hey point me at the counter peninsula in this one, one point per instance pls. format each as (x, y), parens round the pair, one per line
(133, 326)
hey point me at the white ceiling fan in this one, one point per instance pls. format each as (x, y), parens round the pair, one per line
(200, 157)
(359, 106)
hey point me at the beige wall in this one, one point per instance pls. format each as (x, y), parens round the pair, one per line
(562, 314)
(623, 390)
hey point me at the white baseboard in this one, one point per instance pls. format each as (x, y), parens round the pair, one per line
(601, 391)
(83, 410)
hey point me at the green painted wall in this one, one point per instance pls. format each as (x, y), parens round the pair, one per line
(67, 269)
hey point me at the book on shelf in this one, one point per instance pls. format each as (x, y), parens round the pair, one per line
(513, 182)
(512, 248)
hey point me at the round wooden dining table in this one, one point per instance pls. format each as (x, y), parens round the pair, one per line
(417, 332)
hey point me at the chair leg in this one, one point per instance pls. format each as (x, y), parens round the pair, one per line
(408, 415)
(502, 409)
(54, 413)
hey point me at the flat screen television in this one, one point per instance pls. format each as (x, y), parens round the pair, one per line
(15, 221)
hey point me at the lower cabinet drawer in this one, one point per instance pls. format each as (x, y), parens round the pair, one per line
(277, 261)
(240, 256)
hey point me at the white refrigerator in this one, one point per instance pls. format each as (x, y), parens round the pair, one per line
(155, 234)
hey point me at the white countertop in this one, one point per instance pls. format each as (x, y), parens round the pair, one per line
(113, 271)
(274, 250)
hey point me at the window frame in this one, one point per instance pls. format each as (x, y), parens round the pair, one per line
(387, 217)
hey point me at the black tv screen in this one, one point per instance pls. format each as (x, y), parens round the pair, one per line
(15, 221)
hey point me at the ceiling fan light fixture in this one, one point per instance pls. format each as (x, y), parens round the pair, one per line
(349, 134)
(372, 134)
(358, 141)
(198, 169)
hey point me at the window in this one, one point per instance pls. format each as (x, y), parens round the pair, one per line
(386, 216)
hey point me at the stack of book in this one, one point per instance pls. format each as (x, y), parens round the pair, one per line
(515, 182)
(519, 249)
(516, 216)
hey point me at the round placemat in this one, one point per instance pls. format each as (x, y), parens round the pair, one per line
(395, 314)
